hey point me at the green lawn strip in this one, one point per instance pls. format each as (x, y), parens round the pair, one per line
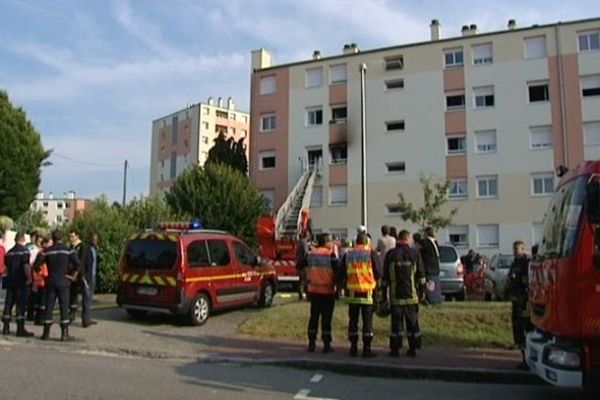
(470, 324)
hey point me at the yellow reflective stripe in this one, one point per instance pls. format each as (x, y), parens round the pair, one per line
(214, 278)
(172, 237)
(171, 280)
(159, 280)
(125, 277)
(145, 279)
(135, 236)
(134, 278)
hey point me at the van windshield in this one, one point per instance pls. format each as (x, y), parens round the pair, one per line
(151, 254)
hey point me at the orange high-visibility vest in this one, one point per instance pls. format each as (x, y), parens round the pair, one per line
(359, 270)
(39, 278)
(319, 273)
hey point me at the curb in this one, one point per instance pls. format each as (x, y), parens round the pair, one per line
(450, 374)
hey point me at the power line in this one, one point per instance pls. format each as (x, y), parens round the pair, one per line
(91, 164)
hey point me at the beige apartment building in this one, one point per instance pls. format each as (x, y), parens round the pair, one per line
(58, 210)
(496, 113)
(183, 138)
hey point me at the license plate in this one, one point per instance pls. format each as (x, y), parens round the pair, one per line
(147, 290)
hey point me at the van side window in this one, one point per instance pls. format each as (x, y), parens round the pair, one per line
(243, 254)
(219, 252)
(197, 254)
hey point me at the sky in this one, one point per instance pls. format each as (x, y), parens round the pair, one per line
(93, 74)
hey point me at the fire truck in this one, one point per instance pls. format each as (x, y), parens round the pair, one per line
(564, 284)
(279, 234)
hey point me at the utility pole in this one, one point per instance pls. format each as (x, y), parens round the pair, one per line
(124, 183)
(363, 146)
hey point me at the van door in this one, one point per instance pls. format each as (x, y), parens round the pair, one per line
(200, 271)
(249, 278)
(224, 279)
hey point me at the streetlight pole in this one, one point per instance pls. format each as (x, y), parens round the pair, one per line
(124, 183)
(363, 146)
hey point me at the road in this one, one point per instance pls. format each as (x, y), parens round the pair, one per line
(70, 375)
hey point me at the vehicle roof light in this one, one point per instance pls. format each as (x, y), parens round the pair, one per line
(193, 224)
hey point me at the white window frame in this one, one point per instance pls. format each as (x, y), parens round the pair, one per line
(395, 164)
(547, 181)
(535, 47)
(591, 133)
(486, 57)
(312, 114)
(338, 161)
(453, 53)
(538, 83)
(396, 84)
(266, 154)
(314, 77)
(394, 63)
(462, 139)
(338, 74)
(494, 231)
(482, 95)
(389, 209)
(454, 94)
(487, 179)
(545, 130)
(590, 82)
(317, 194)
(266, 126)
(486, 148)
(388, 124)
(462, 186)
(460, 230)
(337, 107)
(342, 195)
(268, 84)
(590, 43)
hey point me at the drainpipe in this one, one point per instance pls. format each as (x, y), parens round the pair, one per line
(563, 111)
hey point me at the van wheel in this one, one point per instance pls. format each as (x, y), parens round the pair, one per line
(267, 294)
(462, 295)
(136, 313)
(199, 310)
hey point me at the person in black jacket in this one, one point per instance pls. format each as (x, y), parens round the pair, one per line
(18, 276)
(63, 267)
(430, 254)
(83, 281)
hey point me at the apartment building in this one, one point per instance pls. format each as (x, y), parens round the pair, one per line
(495, 113)
(184, 138)
(58, 210)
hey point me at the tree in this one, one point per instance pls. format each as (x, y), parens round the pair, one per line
(149, 211)
(32, 220)
(221, 197)
(21, 158)
(229, 152)
(435, 196)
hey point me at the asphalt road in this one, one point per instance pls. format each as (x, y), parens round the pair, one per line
(30, 372)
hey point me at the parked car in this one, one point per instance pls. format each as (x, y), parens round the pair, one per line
(496, 276)
(181, 270)
(451, 273)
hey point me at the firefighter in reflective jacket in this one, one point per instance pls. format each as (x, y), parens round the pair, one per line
(321, 275)
(404, 275)
(359, 276)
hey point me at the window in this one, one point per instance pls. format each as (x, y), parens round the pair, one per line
(458, 189)
(197, 254)
(173, 165)
(244, 133)
(487, 187)
(158, 253)
(45, 204)
(338, 194)
(268, 85)
(458, 235)
(488, 235)
(535, 47)
(316, 198)
(67, 205)
(540, 137)
(267, 160)
(337, 73)
(538, 91)
(205, 139)
(205, 125)
(453, 57)
(339, 114)
(232, 116)
(245, 119)
(589, 40)
(219, 253)
(59, 219)
(455, 101)
(395, 62)
(267, 122)
(542, 184)
(314, 77)
(485, 141)
(269, 196)
(590, 85)
(205, 110)
(222, 114)
(394, 84)
(392, 209)
(395, 125)
(243, 254)
(483, 96)
(482, 54)
(59, 205)
(456, 145)
(591, 133)
(314, 116)
(339, 154)
(396, 167)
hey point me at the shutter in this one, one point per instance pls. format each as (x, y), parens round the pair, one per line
(338, 194)
(268, 85)
(314, 77)
(592, 133)
(486, 141)
(338, 73)
(535, 47)
(482, 53)
(487, 235)
(541, 137)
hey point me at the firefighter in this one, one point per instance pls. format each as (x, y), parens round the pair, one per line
(404, 278)
(517, 287)
(39, 286)
(321, 275)
(63, 266)
(358, 276)
(18, 275)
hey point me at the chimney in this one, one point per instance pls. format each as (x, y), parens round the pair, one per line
(316, 55)
(351, 48)
(465, 30)
(473, 29)
(71, 195)
(50, 196)
(512, 24)
(230, 104)
(261, 58)
(220, 102)
(436, 30)
(211, 101)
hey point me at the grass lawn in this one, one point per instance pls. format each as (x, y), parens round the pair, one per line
(468, 324)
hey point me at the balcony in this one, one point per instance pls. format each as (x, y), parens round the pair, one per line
(338, 131)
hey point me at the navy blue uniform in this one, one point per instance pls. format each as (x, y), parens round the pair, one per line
(17, 289)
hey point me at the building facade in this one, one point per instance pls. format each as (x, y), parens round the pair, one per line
(59, 210)
(495, 113)
(184, 138)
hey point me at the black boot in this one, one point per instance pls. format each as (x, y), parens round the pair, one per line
(46, 334)
(72, 315)
(395, 346)
(367, 352)
(39, 317)
(312, 342)
(412, 348)
(327, 347)
(21, 331)
(6, 328)
(353, 346)
(64, 334)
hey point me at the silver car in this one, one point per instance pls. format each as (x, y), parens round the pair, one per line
(452, 273)
(496, 275)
